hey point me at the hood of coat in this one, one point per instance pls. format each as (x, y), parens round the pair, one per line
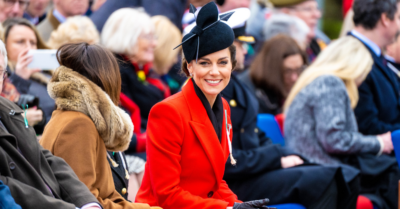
(72, 91)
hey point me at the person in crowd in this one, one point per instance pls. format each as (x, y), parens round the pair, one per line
(320, 123)
(261, 162)
(75, 30)
(377, 112)
(288, 25)
(80, 29)
(35, 177)
(20, 36)
(6, 200)
(308, 11)
(88, 122)
(59, 14)
(168, 36)
(189, 134)
(36, 11)
(129, 33)
(377, 25)
(12, 9)
(274, 71)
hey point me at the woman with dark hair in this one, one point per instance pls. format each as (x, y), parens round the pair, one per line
(189, 134)
(88, 121)
(274, 72)
(20, 36)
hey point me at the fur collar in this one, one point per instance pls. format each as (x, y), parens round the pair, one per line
(72, 91)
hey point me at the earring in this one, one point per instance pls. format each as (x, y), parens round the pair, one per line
(191, 75)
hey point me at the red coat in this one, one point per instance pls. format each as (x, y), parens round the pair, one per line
(185, 160)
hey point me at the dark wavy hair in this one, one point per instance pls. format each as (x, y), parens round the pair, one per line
(94, 62)
(367, 13)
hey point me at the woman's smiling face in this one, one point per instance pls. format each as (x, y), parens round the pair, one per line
(212, 73)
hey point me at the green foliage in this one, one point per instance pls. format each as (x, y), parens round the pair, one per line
(332, 27)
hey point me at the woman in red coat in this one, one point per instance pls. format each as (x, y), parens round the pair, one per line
(189, 133)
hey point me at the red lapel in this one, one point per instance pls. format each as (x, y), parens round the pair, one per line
(203, 129)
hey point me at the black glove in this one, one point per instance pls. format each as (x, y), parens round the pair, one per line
(255, 204)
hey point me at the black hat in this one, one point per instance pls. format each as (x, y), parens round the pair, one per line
(237, 22)
(209, 35)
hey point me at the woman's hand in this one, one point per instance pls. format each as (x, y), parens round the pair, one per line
(291, 161)
(387, 142)
(34, 116)
(21, 69)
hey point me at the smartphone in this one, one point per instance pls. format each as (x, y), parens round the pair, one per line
(44, 59)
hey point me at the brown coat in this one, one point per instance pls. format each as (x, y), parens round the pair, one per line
(85, 125)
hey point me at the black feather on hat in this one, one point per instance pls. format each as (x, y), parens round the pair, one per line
(209, 35)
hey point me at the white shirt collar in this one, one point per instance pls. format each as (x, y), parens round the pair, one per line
(59, 16)
(33, 20)
(389, 58)
(373, 46)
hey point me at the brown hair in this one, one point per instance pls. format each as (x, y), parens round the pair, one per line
(232, 50)
(266, 71)
(95, 63)
(10, 23)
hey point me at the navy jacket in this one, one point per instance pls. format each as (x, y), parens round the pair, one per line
(253, 151)
(119, 173)
(378, 109)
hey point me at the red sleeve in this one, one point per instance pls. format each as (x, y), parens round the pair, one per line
(163, 151)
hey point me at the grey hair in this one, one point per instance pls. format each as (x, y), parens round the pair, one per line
(280, 23)
(3, 52)
(123, 28)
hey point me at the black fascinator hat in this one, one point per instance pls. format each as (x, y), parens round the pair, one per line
(209, 35)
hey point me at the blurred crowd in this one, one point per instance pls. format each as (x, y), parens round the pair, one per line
(339, 99)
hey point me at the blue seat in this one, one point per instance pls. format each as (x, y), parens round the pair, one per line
(396, 144)
(268, 124)
(288, 206)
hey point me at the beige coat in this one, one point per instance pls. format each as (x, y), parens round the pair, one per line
(85, 125)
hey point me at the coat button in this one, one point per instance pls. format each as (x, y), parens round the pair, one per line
(232, 103)
(256, 130)
(124, 191)
(210, 194)
(242, 130)
(12, 165)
